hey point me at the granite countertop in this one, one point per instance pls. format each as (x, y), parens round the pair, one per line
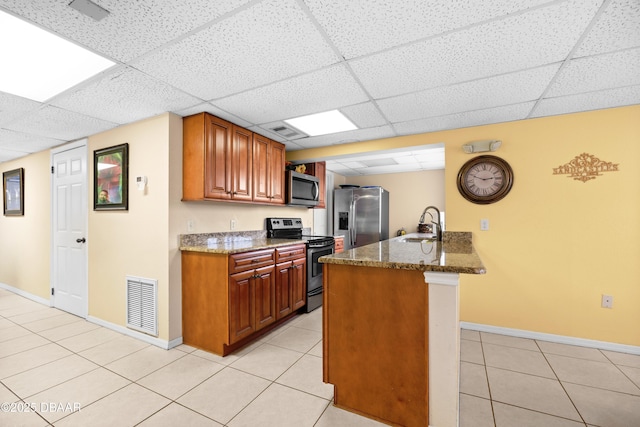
(455, 254)
(231, 243)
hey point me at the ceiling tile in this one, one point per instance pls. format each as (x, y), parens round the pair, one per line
(493, 48)
(132, 27)
(364, 115)
(125, 95)
(296, 97)
(476, 95)
(364, 26)
(588, 101)
(466, 119)
(13, 107)
(268, 42)
(617, 28)
(60, 124)
(212, 109)
(598, 72)
(20, 143)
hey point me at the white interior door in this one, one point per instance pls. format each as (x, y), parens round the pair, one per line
(69, 257)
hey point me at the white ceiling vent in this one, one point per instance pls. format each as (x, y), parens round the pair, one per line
(287, 132)
(142, 305)
(90, 9)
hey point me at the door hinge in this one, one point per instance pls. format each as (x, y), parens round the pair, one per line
(52, 291)
(52, 169)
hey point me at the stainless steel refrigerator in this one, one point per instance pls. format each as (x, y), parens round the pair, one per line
(361, 215)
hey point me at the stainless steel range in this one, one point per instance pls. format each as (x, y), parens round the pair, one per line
(317, 246)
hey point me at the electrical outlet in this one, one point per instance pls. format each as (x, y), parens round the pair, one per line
(191, 225)
(232, 225)
(484, 224)
(607, 301)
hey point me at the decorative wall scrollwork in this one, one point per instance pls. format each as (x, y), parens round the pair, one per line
(585, 167)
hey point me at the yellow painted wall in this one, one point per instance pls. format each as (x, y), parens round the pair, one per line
(555, 245)
(25, 241)
(409, 194)
(132, 242)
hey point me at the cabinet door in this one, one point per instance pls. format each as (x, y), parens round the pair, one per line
(261, 169)
(298, 280)
(265, 296)
(217, 171)
(242, 310)
(283, 289)
(277, 160)
(241, 167)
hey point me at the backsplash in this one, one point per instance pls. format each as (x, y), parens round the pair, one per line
(201, 239)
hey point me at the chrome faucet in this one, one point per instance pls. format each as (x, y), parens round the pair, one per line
(436, 223)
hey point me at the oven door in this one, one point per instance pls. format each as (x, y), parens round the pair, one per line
(314, 276)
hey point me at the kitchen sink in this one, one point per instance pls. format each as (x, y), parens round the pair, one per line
(417, 239)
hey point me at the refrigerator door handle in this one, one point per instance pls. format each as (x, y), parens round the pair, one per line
(353, 228)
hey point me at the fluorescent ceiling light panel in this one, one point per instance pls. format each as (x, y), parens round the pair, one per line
(38, 65)
(322, 123)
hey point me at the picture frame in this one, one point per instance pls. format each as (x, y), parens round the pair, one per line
(111, 178)
(13, 192)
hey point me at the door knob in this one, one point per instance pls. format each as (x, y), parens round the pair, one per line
(82, 240)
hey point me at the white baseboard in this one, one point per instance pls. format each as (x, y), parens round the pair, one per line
(135, 334)
(26, 294)
(123, 330)
(560, 339)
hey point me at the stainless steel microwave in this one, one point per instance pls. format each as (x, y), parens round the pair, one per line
(302, 189)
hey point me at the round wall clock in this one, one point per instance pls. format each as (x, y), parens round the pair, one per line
(485, 179)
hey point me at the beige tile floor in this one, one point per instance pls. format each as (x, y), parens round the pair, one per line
(55, 363)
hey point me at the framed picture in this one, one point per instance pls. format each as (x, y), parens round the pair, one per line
(111, 178)
(13, 190)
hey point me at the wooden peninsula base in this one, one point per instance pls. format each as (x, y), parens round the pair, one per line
(391, 343)
(392, 327)
(376, 352)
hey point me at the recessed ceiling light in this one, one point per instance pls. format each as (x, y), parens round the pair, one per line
(38, 64)
(322, 123)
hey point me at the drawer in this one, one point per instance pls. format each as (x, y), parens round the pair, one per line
(289, 253)
(251, 260)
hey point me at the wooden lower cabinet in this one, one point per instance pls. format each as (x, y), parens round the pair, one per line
(291, 289)
(229, 300)
(251, 302)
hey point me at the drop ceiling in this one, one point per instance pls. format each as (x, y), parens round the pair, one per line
(395, 67)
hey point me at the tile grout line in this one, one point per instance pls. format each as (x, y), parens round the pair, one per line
(486, 373)
(560, 382)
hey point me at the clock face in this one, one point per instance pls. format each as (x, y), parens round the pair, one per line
(485, 179)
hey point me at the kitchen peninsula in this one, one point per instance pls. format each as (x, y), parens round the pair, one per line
(391, 327)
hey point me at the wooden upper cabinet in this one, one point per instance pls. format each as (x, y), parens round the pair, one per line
(222, 161)
(319, 170)
(242, 164)
(277, 172)
(268, 170)
(206, 165)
